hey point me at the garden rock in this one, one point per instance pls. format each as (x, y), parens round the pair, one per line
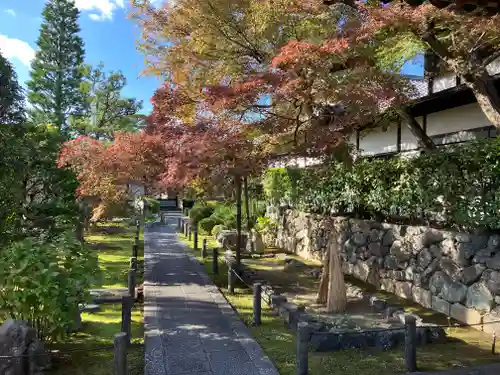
(400, 251)
(293, 264)
(422, 296)
(17, 339)
(494, 242)
(482, 256)
(471, 274)
(255, 243)
(228, 239)
(450, 268)
(359, 238)
(441, 305)
(448, 246)
(453, 291)
(437, 281)
(377, 250)
(388, 238)
(494, 262)
(464, 314)
(479, 297)
(391, 262)
(492, 280)
(424, 258)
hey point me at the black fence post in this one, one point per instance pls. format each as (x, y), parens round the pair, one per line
(127, 302)
(411, 343)
(135, 250)
(302, 355)
(257, 304)
(131, 283)
(204, 248)
(195, 239)
(230, 279)
(186, 225)
(215, 262)
(179, 225)
(190, 231)
(133, 263)
(120, 353)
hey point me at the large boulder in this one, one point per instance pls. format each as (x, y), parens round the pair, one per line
(255, 243)
(450, 268)
(17, 339)
(494, 262)
(492, 280)
(479, 297)
(401, 251)
(437, 281)
(228, 239)
(453, 292)
(472, 274)
(424, 258)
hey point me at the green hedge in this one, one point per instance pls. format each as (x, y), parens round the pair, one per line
(457, 186)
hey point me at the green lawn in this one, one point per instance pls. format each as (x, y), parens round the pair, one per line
(463, 348)
(113, 243)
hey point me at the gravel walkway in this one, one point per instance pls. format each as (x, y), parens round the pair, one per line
(190, 327)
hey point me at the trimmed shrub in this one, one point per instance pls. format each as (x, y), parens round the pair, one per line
(201, 211)
(206, 225)
(457, 186)
(225, 214)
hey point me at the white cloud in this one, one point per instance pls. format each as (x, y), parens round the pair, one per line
(11, 12)
(15, 49)
(102, 9)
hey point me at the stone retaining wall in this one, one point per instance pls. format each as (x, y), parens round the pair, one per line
(455, 273)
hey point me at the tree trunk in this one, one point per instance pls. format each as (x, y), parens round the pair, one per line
(423, 139)
(238, 220)
(337, 298)
(322, 297)
(487, 96)
(247, 205)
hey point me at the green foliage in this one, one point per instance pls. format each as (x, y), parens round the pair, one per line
(57, 70)
(225, 214)
(44, 281)
(265, 225)
(153, 205)
(201, 210)
(207, 224)
(106, 111)
(280, 184)
(11, 95)
(217, 229)
(458, 186)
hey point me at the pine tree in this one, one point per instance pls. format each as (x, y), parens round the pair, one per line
(11, 95)
(57, 70)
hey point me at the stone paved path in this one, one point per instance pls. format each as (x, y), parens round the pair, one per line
(190, 327)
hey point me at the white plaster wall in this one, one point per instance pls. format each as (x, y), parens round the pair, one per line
(373, 142)
(444, 82)
(459, 120)
(408, 140)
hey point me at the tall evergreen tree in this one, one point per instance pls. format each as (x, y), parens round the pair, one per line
(57, 70)
(11, 95)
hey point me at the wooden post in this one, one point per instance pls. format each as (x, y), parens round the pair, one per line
(120, 353)
(179, 225)
(131, 283)
(257, 304)
(230, 279)
(127, 302)
(215, 262)
(411, 343)
(133, 263)
(135, 249)
(494, 343)
(204, 249)
(190, 231)
(186, 225)
(195, 239)
(302, 355)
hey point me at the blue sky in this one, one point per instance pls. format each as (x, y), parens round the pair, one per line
(109, 37)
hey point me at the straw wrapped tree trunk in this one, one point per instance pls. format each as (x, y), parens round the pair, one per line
(332, 290)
